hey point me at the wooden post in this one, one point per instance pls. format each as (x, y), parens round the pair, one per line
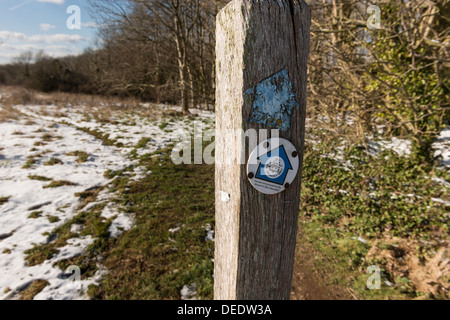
(259, 43)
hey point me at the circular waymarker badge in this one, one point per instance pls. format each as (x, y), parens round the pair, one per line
(273, 166)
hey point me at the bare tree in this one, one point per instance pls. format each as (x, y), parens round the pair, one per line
(396, 76)
(173, 34)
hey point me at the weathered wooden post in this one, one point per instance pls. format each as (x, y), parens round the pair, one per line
(262, 52)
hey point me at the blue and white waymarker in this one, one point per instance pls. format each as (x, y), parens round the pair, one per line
(273, 166)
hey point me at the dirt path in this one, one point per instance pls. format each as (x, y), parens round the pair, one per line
(310, 283)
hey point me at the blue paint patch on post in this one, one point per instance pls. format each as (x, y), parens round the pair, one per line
(273, 102)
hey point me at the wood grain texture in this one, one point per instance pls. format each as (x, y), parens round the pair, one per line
(256, 234)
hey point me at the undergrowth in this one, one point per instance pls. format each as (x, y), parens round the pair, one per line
(351, 198)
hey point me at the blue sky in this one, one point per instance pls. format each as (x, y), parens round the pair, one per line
(33, 25)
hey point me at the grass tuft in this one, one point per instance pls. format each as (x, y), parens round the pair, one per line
(4, 200)
(34, 289)
(48, 137)
(39, 144)
(53, 162)
(35, 215)
(53, 219)
(140, 145)
(163, 125)
(39, 178)
(88, 196)
(30, 163)
(81, 155)
(104, 137)
(60, 183)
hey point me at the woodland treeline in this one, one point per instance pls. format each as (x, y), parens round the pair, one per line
(394, 77)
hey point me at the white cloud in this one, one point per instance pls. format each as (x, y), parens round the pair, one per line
(58, 49)
(60, 37)
(14, 36)
(9, 51)
(46, 26)
(41, 38)
(90, 24)
(13, 44)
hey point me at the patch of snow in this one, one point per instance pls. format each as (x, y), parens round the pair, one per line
(61, 288)
(364, 241)
(110, 211)
(75, 247)
(76, 228)
(438, 200)
(442, 181)
(442, 147)
(122, 223)
(401, 146)
(175, 230)
(140, 172)
(211, 235)
(189, 292)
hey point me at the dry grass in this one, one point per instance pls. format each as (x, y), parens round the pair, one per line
(34, 289)
(18, 96)
(7, 113)
(39, 144)
(4, 200)
(30, 163)
(60, 183)
(81, 155)
(63, 99)
(429, 275)
(35, 215)
(53, 162)
(11, 96)
(39, 178)
(22, 96)
(103, 109)
(88, 196)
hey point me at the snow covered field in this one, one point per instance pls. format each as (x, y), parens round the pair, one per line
(51, 145)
